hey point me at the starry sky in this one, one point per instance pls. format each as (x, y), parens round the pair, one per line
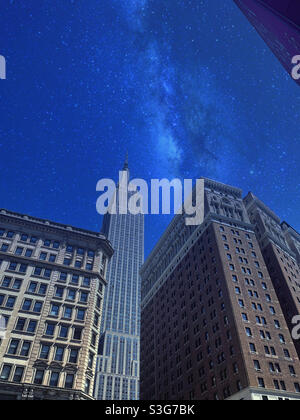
(186, 86)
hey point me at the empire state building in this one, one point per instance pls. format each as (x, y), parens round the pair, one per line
(117, 376)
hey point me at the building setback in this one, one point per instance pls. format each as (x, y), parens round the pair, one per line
(118, 367)
(212, 327)
(52, 280)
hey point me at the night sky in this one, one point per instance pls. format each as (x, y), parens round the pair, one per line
(186, 86)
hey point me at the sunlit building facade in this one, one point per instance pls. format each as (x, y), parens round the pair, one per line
(119, 350)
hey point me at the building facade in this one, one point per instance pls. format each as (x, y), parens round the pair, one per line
(119, 351)
(278, 23)
(52, 280)
(212, 327)
(280, 246)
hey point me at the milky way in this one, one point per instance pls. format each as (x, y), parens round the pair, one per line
(186, 86)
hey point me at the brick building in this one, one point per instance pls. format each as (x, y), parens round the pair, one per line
(212, 325)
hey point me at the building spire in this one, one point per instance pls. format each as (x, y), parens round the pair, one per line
(125, 168)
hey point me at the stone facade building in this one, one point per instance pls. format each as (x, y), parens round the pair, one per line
(52, 280)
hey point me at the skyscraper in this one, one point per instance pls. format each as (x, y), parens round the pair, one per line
(212, 327)
(278, 23)
(52, 280)
(119, 351)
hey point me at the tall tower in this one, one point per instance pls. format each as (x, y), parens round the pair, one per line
(119, 350)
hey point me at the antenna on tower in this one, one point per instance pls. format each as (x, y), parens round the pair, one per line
(126, 162)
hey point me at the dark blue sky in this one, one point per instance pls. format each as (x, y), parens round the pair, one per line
(186, 86)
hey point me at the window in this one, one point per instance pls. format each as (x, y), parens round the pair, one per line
(73, 356)
(63, 276)
(12, 266)
(43, 256)
(69, 381)
(5, 373)
(286, 353)
(37, 307)
(25, 348)
(86, 282)
(54, 378)
(33, 239)
(4, 247)
(261, 383)
(91, 360)
(292, 370)
(64, 331)
(80, 314)
(28, 253)
(43, 289)
(6, 282)
(245, 317)
(69, 248)
(45, 350)
(20, 324)
(54, 310)
(237, 290)
(32, 287)
(23, 268)
(252, 348)
(10, 303)
(32, 326)
(18, 375)
(59, 354)
(75, 279)
(87, 386)
(248, 332)
(68, 312)
(257, 365)
(50, 329)
(17, 284)
(13, 347)
(39, 377)
(67, 261)
(59, 292)
(38, 271)
(77, 333)
(71, 294)
(84, 297)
